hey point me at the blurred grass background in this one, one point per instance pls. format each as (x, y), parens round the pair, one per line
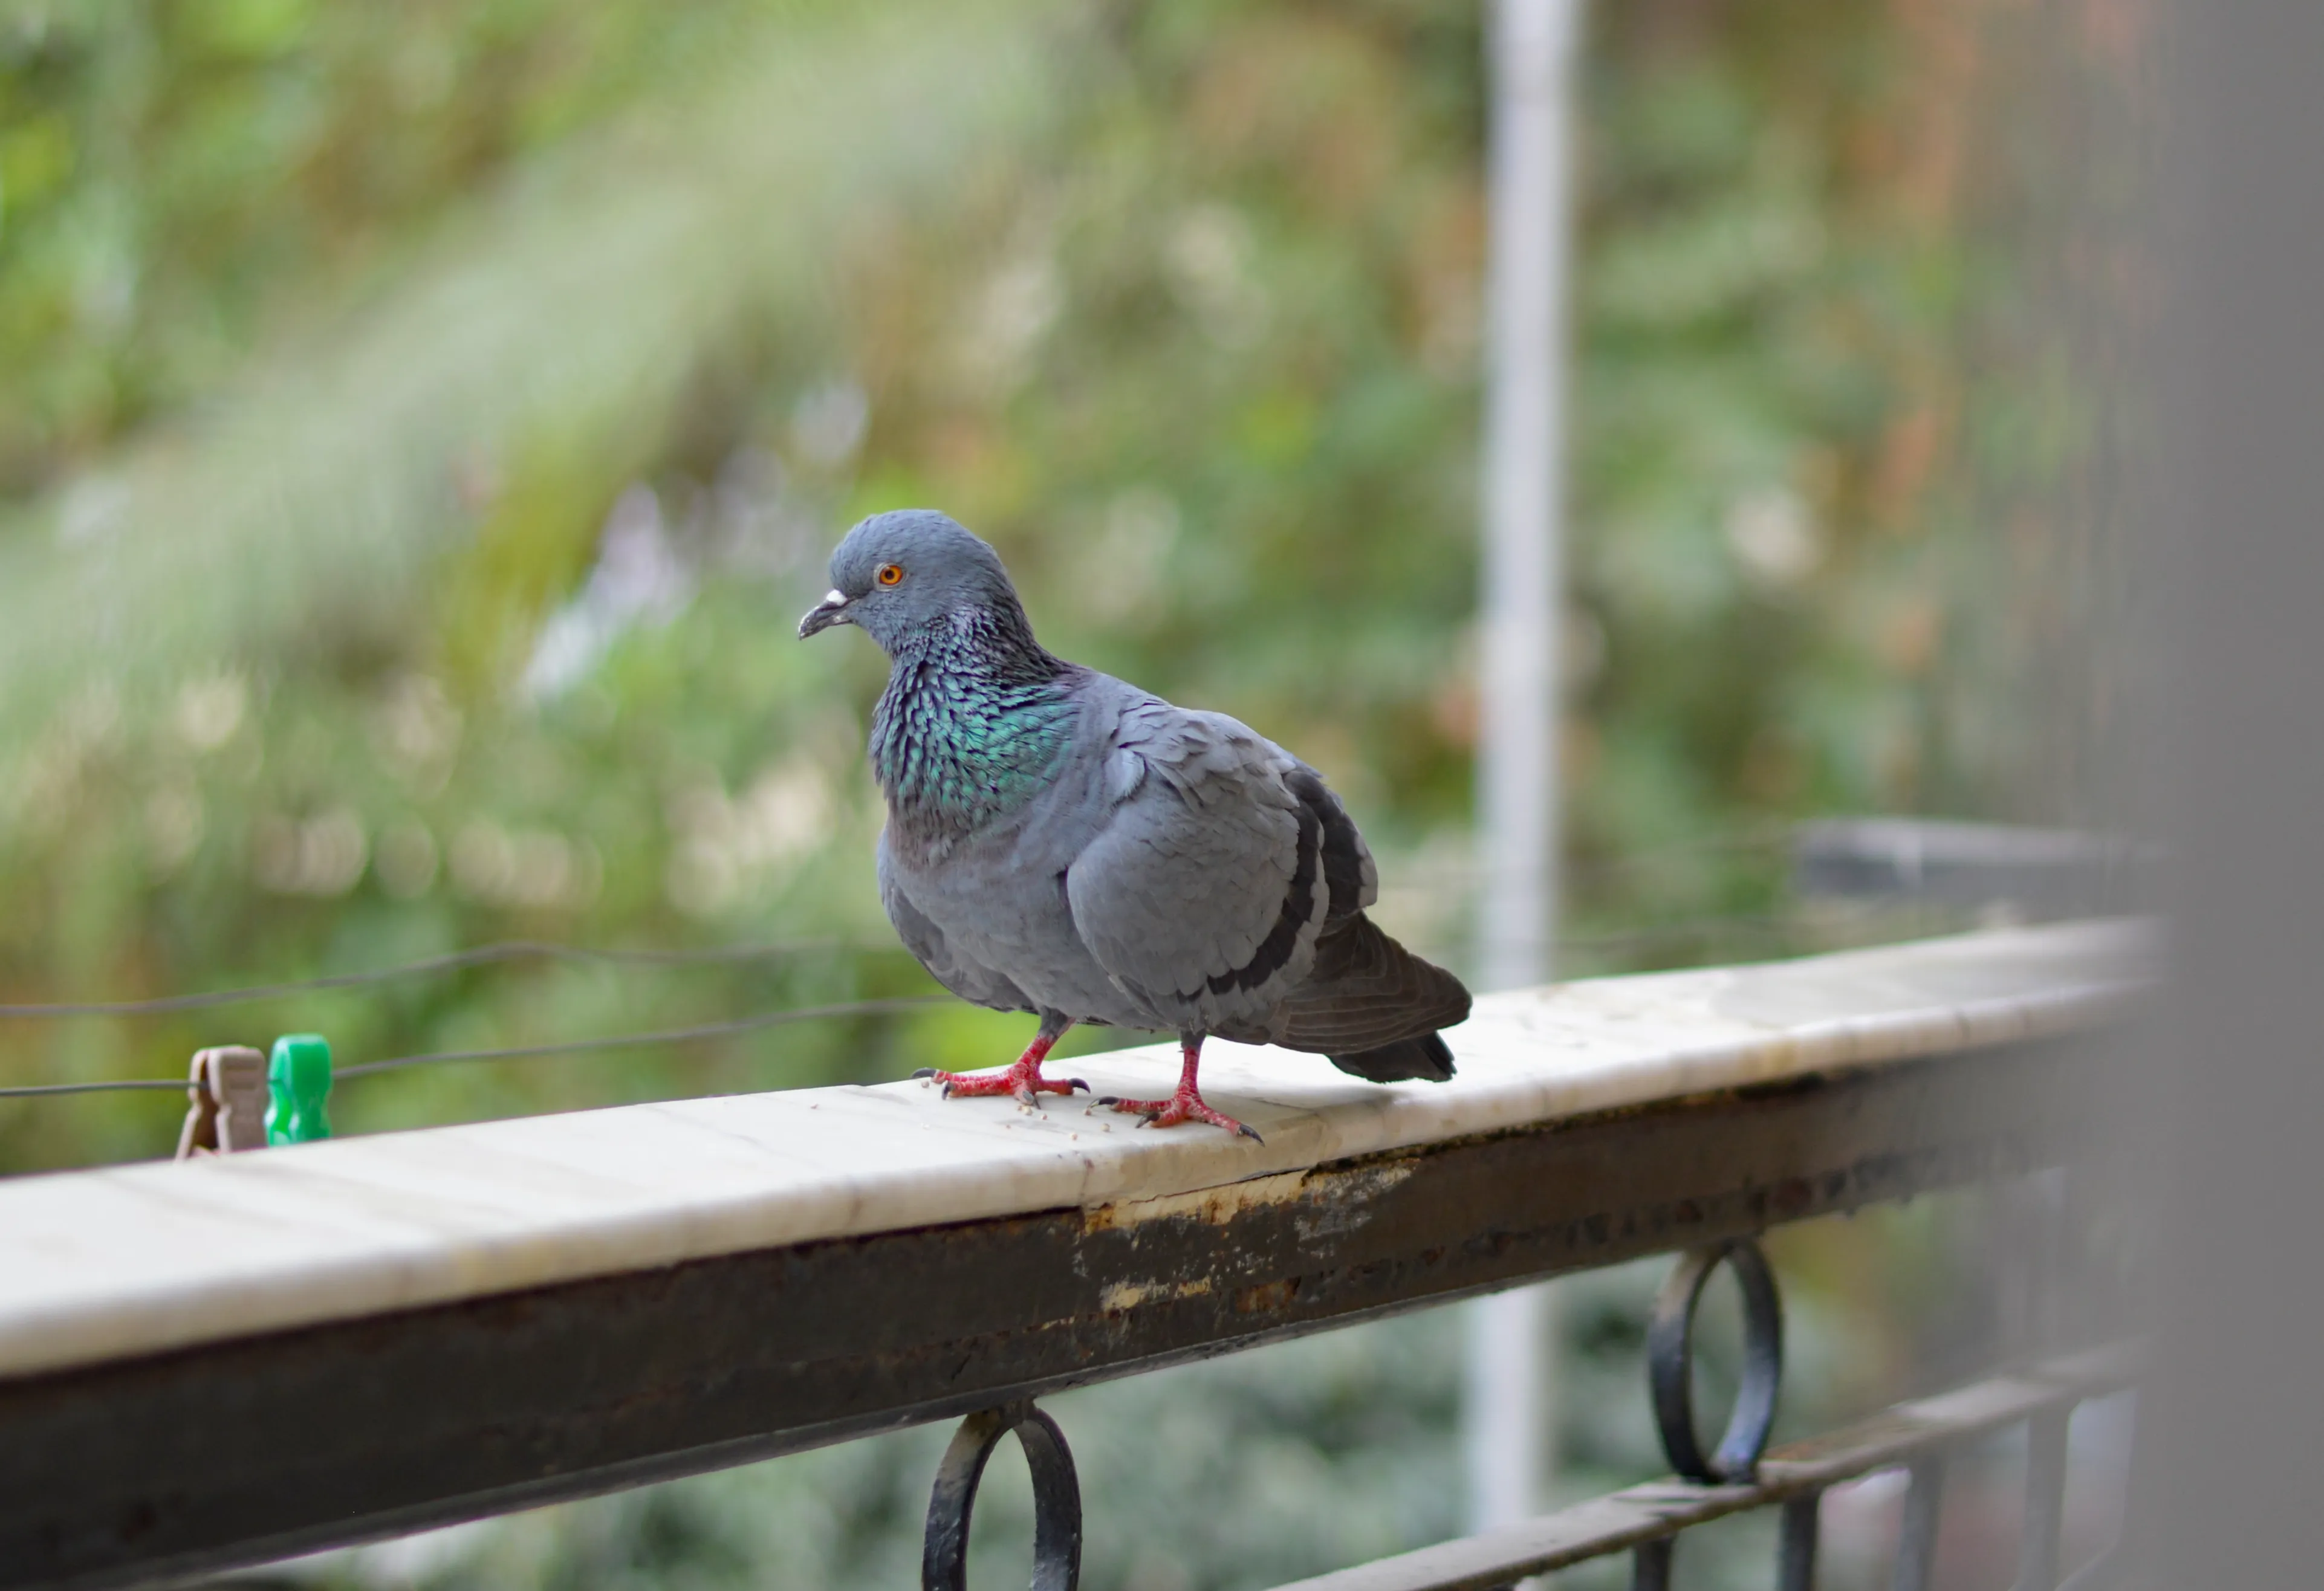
(423, 425)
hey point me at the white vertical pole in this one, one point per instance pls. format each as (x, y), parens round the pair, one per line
(1508, 1413)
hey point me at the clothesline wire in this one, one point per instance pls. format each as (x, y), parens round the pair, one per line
(1756, 922)
(675, 1035)
(536, 950)
(117, 1086)
(1466, 867)
(622, 1041)
(481, 955)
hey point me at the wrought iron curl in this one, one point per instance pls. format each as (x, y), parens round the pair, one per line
(1670, 1357)
(1056, 1499)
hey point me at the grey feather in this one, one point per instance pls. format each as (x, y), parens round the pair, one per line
(977, 984)
(1164, 869)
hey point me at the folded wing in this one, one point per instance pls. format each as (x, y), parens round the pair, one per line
(1205, 891)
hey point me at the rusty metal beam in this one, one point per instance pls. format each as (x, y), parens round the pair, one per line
(236, 1452)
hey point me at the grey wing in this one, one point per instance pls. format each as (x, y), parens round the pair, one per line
(1204, 892)
(970, 980)
(1348, 870)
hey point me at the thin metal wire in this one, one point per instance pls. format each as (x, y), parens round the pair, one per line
(624, 1041)
(1757, 924)
(1766, 836)
(521, 950)
(517, 950)
(32, 1091)
(538, 949)
(675, 1036)
(509, 951)
(534, 950)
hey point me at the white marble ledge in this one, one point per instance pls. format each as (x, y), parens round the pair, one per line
(131, 1260)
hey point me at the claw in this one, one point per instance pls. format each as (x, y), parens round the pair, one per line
(1186, 1105)
(1022, 1081)
(1182, 1107)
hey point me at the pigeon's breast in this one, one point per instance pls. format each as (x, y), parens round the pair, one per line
(1001, 903)
(999, 897)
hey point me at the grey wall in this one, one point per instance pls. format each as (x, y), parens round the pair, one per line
(2235, 500)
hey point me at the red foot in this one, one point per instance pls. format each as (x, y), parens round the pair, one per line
(1023, 1080)
(1185, 1105)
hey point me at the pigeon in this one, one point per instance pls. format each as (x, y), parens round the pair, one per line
(1061, 842)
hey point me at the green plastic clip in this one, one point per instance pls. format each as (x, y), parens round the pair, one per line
(297, 1083)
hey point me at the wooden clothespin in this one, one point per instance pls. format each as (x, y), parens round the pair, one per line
(227, 1109)
(299, 1084)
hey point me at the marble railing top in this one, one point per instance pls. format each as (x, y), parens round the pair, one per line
(130, 1260)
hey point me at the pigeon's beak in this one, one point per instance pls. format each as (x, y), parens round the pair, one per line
(831, 611)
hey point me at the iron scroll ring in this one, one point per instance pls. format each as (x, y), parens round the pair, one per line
(1670, 1331)
(1056, 1499)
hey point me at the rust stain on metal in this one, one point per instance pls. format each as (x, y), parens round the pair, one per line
(1274, 1295)
(1344, 1199)
(1129, 1295)
(1339, 1196)
(1216, 1206)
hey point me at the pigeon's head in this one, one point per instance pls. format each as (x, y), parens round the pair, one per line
(900, 572)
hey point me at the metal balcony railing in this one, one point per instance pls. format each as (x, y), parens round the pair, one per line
(1646, 1521)
(216, 1363)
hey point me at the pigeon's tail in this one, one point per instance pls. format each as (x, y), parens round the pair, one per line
(1427, 1056)
(1372, 1008)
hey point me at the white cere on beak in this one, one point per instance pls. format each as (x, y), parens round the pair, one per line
(834, 596)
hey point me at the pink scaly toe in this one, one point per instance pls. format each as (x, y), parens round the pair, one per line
(1176, 1108)
(1185, 1105)
(1023, 1080)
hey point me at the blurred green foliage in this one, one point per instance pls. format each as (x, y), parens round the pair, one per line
(423, 424)
(172, 172)
(415, 565)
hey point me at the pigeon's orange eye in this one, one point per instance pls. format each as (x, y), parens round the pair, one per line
(890, 574)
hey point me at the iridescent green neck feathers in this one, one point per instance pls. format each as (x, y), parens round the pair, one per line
(974, 722)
